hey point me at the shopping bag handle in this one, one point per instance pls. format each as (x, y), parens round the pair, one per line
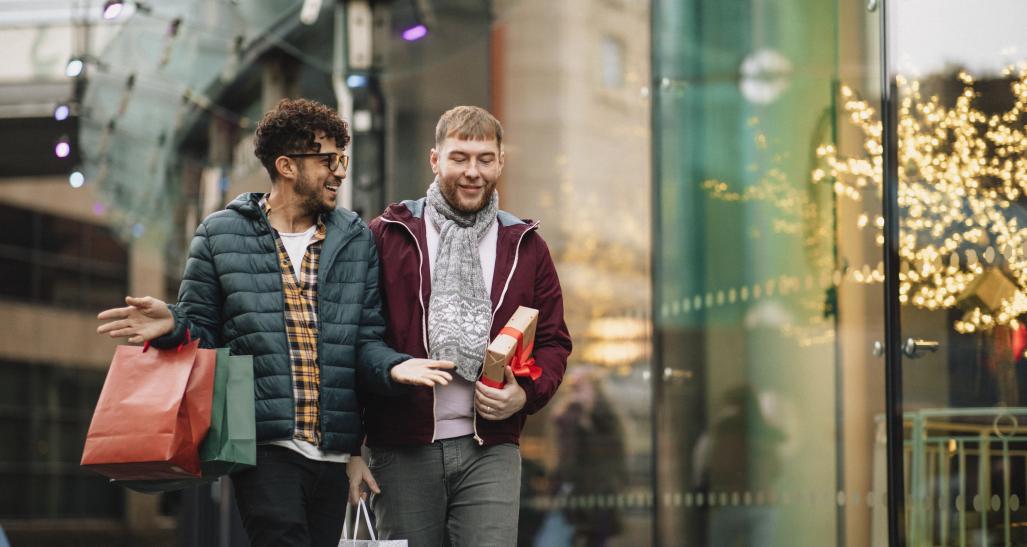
(345, 523)
(362, 508)
(188, 339)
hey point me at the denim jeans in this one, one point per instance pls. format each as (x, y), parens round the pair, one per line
(289, 500)
(452, 492)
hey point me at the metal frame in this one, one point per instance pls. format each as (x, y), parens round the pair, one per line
(892, 308)
(655, 370)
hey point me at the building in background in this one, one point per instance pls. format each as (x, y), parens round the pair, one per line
(59, 263)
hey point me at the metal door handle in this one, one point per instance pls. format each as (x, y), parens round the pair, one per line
(914, 348)
(877, 349)
(670, 374)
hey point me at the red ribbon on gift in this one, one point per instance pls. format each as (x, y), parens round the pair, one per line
(491, 383)
(523, 362)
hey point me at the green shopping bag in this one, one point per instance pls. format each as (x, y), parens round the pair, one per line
(231, 442)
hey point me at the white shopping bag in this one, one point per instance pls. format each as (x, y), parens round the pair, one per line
(349, 540)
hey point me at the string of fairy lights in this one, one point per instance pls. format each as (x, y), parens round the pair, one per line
(961, 171)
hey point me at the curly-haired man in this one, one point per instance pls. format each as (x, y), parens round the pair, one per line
(291, 279)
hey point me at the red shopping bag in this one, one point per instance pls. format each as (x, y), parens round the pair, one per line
(153, 413)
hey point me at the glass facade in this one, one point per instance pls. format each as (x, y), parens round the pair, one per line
(767, 276)
(959, 169)
(836, 273)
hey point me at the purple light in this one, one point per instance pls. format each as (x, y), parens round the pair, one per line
(415, 33)
(112, 10)
(63, 149)
(98, 208)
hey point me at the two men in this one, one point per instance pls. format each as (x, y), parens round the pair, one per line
(454, 270)
(292, 280)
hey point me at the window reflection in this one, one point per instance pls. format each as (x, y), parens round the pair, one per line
(59, 261)
(45, 422)
(591, 463)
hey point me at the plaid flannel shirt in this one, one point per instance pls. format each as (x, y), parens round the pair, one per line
(302, 331)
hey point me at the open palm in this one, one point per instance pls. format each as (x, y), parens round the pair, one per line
(143, 319)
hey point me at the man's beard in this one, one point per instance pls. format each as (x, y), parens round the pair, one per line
(313, 204)
(451, 193)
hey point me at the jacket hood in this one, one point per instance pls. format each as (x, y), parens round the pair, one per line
(248, 205)
(413, 209)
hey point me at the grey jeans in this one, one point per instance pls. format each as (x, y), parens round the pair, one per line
(451, 492)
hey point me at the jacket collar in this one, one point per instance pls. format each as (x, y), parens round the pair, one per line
(248, 205)
(411, 212)
(341, 226)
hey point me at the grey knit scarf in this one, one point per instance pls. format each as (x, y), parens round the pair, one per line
(459, 312)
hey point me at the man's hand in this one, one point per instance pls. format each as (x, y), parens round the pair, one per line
(143, 319)
(359, 475)
(499, 404)
(422, 372)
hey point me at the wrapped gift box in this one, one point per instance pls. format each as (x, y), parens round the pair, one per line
(515, 339)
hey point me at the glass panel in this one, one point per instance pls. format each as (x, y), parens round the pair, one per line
(60, 285)
(569, 80)
(962, 173)
(94, 496)
(67, 263)
(16, 228)
(62, 238)
(767, 275)
(15, 276)
(101, 290)
(42, 445)
(15, 430)
(13, 395)
(11, 506)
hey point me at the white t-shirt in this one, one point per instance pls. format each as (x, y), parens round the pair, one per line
(454, 403)
(296, 246)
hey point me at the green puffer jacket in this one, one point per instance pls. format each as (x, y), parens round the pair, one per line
(231, 296)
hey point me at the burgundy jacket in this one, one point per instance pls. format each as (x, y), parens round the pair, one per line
(524, 276)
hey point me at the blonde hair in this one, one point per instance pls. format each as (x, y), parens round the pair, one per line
(468, 123)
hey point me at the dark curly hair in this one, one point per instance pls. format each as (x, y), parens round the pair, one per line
(290, 128)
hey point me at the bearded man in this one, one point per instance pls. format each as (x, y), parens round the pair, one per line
(454, 269)
(291, 279)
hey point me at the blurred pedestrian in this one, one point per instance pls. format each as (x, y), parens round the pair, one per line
(291, 279)
(454, 270)
(591, 460)
(740, 453)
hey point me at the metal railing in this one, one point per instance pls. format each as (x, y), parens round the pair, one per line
(960, 468)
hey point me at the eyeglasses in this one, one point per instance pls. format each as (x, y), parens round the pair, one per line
(334, 158)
